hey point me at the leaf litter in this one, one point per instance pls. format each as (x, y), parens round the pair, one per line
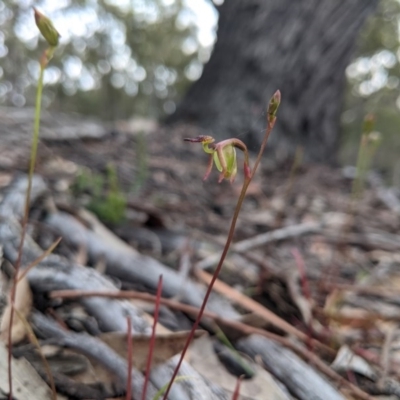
(350, 262)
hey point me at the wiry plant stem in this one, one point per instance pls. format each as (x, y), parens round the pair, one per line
(236, 393)
(35, 141)
(153, 337)
(130, 354)
(247, 179)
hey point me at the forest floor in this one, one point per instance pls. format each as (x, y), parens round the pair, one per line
(312, 270)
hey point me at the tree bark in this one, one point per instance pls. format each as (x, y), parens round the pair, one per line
(301, 47)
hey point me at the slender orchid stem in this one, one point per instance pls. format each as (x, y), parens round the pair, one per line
(247, 179)
(35, 141)
(51, 35)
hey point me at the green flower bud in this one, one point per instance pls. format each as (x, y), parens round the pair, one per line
(46, 28)
(274, 104)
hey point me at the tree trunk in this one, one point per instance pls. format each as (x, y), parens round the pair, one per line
(301, 47)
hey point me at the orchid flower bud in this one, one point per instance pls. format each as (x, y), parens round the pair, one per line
(46, 28)
(274, 105)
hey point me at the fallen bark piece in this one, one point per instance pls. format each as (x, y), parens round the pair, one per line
(288, 232)
(27, 384)
(294, 373)
(278, 234)
(192, 385)
(346, 360)
(13, 203)
(262, 384)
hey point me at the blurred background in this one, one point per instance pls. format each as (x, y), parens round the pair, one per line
(116, 59)
(124, 58)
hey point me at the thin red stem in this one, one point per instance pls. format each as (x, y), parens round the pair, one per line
(130, 354)
(236, 393)
(153, 337)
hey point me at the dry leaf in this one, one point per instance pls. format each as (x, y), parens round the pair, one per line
(23, 303)
(166, 346)
(346, 360)
(26, 382)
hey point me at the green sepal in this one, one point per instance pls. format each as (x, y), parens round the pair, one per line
(229, 154)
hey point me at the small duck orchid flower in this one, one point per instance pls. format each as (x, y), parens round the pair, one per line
(223, 155)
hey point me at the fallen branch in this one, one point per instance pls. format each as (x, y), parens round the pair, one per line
(288, 232)
(368, 240)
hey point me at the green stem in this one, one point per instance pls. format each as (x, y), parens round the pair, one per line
(35, 141)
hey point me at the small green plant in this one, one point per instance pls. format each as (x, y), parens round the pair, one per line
(111, 209)
(224, 156)
(87, 182)
(107, 200)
